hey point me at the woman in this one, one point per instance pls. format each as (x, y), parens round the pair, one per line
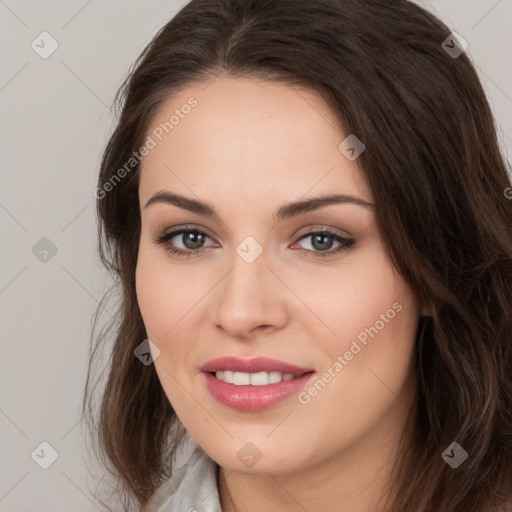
(306, 207)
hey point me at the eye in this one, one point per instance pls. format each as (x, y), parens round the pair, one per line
(191, 240)
(321, 242)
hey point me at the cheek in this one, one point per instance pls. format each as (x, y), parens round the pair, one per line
(363, 387)
(350, 298)
(162, 294)
(166, 296)
(371, 317)
(169, 295)
(375, 321)
(368, 292)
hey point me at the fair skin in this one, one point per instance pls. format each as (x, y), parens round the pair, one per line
(246, 149)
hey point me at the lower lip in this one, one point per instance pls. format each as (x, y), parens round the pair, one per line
(254, 398)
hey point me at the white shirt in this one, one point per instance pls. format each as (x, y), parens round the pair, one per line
(193, 485)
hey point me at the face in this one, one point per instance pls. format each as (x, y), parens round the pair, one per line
(311, 287)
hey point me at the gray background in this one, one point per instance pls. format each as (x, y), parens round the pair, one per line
(55, 118)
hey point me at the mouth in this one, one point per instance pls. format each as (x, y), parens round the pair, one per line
(253, 385)
(263, 378)
(251, 366)
(244, 395)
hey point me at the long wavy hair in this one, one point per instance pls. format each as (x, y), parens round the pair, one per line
(443, 207)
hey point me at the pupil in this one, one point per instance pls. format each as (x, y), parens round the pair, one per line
(319, 242)
(195, 240)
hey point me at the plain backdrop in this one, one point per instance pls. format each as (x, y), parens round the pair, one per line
(55, 119)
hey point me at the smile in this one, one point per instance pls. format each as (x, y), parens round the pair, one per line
(250, 397)
(253, 379)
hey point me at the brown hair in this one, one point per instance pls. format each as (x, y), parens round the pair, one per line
(439, 180)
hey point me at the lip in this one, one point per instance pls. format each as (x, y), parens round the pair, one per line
(257, 364)
(254, 398)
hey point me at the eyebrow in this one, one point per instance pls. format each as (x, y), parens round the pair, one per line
(284, 212)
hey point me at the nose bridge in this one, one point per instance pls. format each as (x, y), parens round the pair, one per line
(247, 276)
(247, 297)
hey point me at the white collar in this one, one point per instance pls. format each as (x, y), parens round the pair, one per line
(193, 484)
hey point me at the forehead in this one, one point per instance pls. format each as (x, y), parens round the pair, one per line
(259, 139)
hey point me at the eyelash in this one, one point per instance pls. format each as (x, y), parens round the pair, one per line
(345, 243)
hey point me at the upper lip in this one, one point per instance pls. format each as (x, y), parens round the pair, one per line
(257, 364)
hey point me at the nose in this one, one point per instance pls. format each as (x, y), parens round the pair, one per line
(250, 299)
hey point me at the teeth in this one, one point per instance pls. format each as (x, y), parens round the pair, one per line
(253, 379)
(241, 379)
